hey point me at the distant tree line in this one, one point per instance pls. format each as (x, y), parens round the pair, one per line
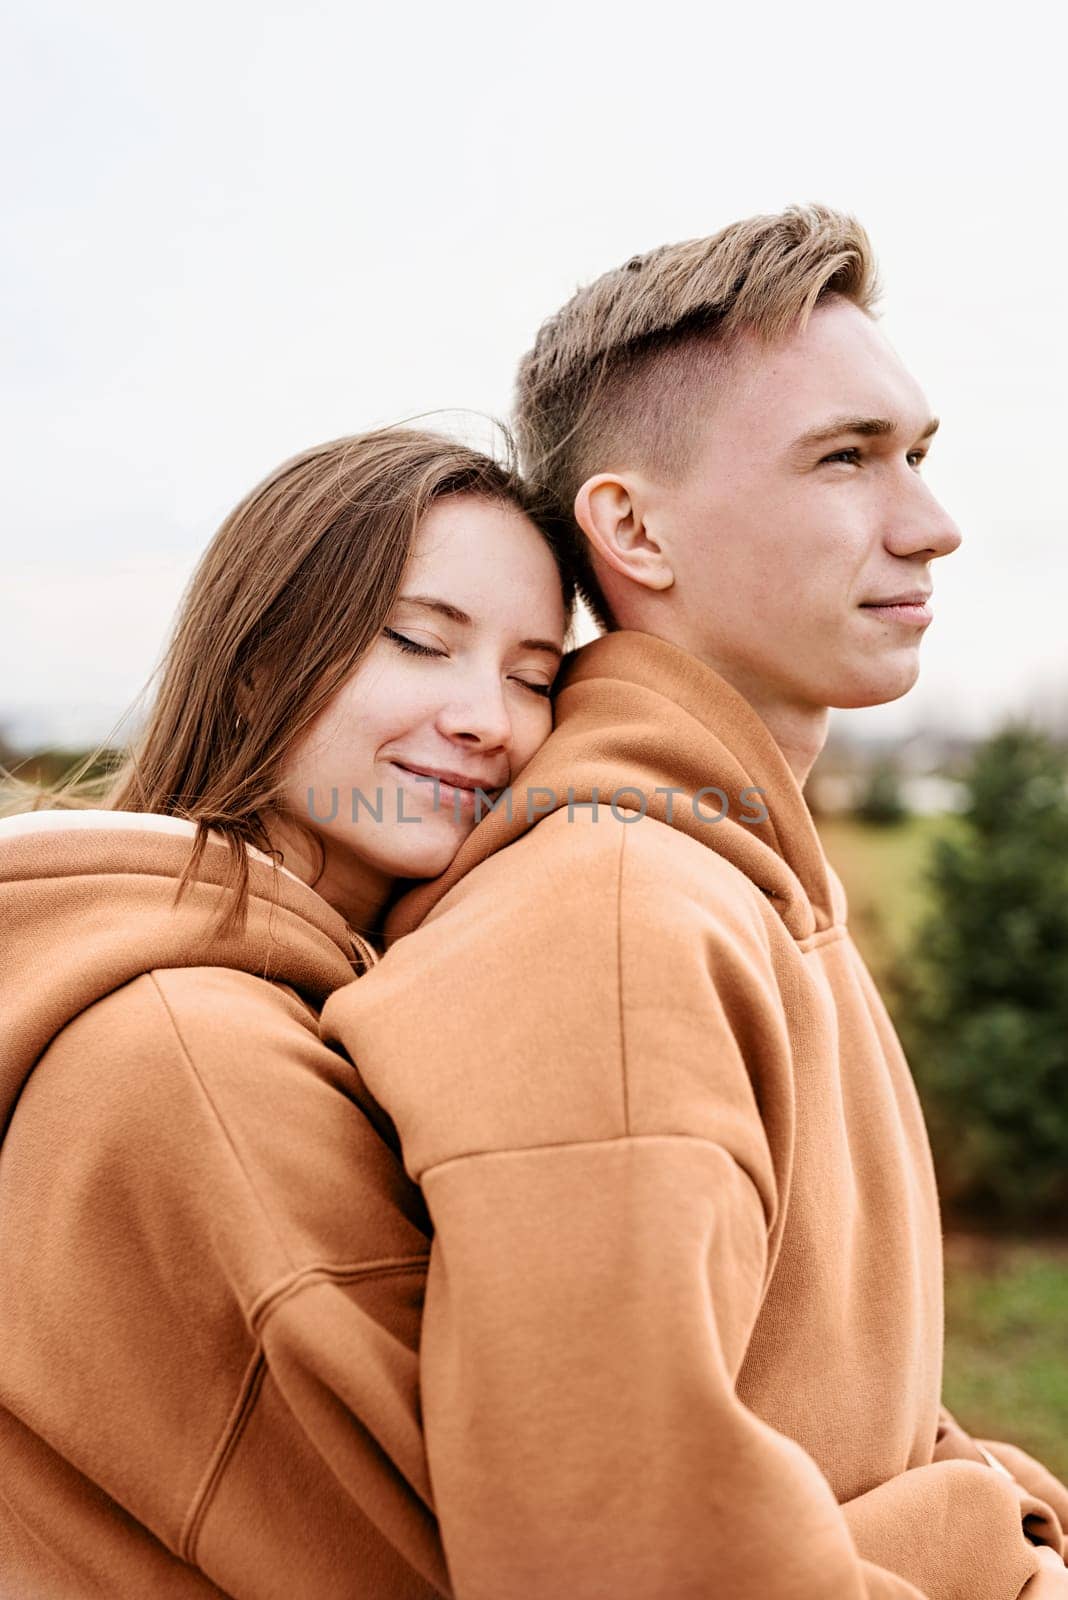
(53, 765)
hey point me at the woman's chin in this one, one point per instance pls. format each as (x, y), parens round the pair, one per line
(431, 857)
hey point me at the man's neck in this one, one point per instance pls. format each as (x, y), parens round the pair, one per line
(799, 730)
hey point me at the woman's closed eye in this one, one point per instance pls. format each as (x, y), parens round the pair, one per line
(410, 644)
(413, 648)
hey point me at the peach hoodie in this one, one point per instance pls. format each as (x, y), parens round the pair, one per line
(682, 1335)
(211, 1264)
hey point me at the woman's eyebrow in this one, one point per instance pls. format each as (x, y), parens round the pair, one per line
(444, 608)
(542, 644)
(429, 603)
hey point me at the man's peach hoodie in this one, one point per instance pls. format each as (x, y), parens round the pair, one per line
(683, 1313)
(682, 1335)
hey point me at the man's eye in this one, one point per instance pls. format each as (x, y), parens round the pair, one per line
(916, 458)
(852, 455)
(410, 645)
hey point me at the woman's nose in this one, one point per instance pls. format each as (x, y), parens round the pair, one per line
(478, 717)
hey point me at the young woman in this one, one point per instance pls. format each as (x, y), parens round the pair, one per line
(210, 1251)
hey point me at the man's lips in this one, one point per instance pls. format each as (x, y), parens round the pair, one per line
(912, 607)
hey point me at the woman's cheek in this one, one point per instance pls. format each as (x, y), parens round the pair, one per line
(536, 729)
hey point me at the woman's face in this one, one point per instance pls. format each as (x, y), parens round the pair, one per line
(456, 686)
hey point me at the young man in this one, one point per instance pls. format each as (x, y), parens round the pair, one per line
(683, 1322)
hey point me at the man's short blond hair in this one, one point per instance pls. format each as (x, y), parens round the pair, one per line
(619, 377)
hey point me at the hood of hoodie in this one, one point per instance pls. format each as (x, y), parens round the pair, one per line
(87, 903)
(636, 713)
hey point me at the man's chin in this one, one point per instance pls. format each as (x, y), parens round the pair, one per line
(876, 688)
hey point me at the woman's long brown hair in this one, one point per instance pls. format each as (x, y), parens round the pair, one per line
(293, 589)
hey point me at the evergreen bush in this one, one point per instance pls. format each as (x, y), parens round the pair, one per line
(987, 1022)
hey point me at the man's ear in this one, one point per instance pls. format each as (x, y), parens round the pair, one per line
(613, 514)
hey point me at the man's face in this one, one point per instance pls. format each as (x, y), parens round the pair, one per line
(803, 513)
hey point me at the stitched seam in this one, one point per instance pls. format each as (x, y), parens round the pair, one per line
(51, 1553)
(229, 1439)
(631, 1139)
(272, 1298)
(219, 1120)
(237, 1420)
(619, 983)
(581, 1144)
(252, 1384)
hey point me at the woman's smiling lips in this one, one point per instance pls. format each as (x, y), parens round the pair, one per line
(455, 791)
(912, 608)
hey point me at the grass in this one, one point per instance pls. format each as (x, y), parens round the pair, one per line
(1006, 1369)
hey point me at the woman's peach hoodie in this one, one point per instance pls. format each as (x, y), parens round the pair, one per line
(211, 1265)
(683, 1313)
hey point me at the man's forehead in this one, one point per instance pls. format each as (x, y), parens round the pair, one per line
(840, 365)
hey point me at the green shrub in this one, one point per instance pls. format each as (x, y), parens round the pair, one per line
(881, 800)
(987, 1017)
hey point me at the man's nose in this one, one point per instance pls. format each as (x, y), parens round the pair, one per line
(922, 526)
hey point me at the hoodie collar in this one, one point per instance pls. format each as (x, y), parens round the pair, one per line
(89, 902)
(636, 712)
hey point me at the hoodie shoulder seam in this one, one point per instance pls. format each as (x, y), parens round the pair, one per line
(591, 1147)
(252, 1382)
(217, 1117)
(621, 1009)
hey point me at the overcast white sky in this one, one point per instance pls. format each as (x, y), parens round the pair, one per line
(239, 229)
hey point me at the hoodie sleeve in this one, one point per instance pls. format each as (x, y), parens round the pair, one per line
(1043, 1498)
(1036, 1483)
(598, 1264)
(213, 1274)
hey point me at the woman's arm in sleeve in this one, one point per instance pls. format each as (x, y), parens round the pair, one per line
(214, 1272)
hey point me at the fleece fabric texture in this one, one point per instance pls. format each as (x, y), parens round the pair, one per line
(682, 1334)
(212, 1265)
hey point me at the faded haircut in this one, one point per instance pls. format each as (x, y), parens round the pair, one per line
(616, 378)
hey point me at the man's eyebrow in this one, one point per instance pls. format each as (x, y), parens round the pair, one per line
(443, 607)
(867, 427)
